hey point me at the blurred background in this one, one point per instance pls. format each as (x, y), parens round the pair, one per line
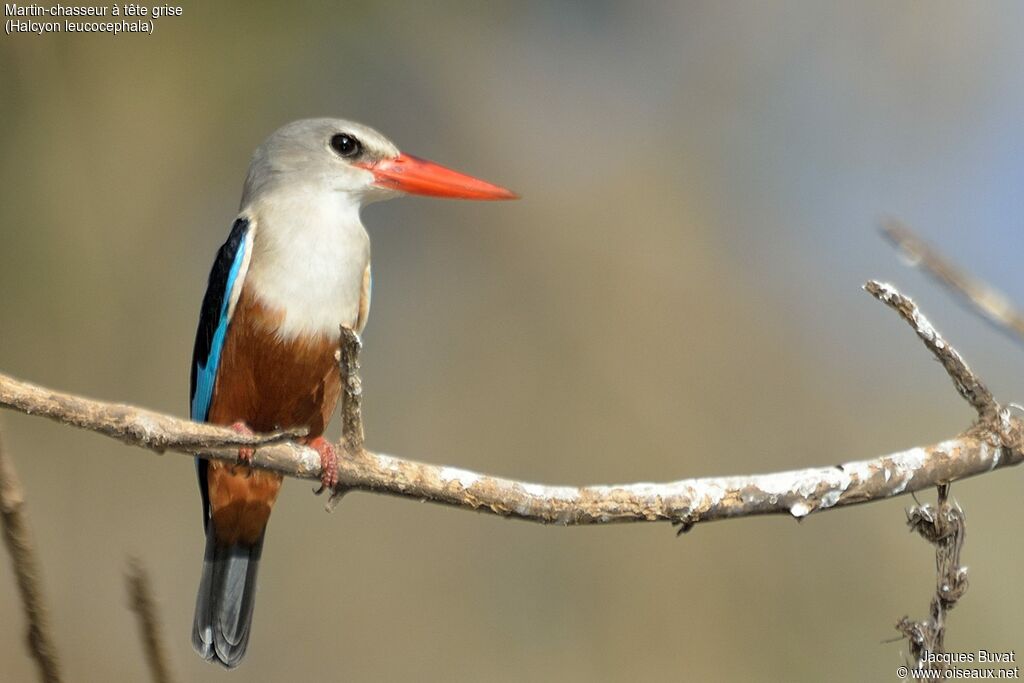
(677, 294)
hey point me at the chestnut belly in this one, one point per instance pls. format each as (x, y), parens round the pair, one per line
(267, 383)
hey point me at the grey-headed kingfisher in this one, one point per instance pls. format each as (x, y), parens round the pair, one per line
(294, 269)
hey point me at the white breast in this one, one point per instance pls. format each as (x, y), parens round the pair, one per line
(310, 253)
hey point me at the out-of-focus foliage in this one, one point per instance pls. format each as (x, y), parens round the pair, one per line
(677, 294)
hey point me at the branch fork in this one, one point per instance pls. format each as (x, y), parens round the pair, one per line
(994, 441)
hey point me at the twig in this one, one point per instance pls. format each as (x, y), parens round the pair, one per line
(945, 528)
(132, 425)
(140, 595)
(990, 303)
(995, 441)
(26, 568)
(352, 435)
(967, 383)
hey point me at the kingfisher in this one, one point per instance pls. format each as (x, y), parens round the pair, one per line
(295, 268)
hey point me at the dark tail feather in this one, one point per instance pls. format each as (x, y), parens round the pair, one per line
(227, 593)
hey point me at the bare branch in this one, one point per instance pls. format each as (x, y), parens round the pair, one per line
(26, 568)
(132, 425)
(158, 432)
(990, 303)
(995, 441)
(352, 408)
(945, 528)
(352, 434)
(967, 383)
(140, 595)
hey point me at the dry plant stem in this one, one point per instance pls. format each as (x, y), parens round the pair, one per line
(944, 527)
(995, 441)
(966, 382)
(352, 409)
(132, 425)
(992, 304)
(26, 568)
(980, 449)
(352, 434)
(140, 595)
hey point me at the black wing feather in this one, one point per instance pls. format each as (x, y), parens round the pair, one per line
(210, 318)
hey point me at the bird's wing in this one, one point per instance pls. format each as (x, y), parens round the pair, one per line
(226, 278)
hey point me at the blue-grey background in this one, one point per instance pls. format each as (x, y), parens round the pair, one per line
(677, 294)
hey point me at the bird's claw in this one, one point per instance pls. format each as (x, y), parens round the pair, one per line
(245, 453)
(328, 463)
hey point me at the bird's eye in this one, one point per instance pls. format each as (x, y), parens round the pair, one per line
(346, 145)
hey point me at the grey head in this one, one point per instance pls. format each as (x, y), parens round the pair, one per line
(328, 154)
(335, 155)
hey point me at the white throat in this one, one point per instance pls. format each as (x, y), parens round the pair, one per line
(310, 254)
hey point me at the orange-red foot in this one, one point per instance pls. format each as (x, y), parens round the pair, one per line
(245, 453)
(328, 463)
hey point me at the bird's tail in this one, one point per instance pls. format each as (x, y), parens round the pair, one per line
(227, 593)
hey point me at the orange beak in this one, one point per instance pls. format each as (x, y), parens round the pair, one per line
(407, 173)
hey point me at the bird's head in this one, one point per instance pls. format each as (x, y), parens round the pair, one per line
(334, 155)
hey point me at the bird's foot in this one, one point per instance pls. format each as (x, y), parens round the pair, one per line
(245, 453)
(328, 463)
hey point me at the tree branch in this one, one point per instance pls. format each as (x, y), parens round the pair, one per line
(352, 435)
(967, 383)
(996, 440)
(994, 306)
(26, 568)
(140, 595)
(945, 528)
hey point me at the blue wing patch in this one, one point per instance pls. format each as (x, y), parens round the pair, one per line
(213, 327)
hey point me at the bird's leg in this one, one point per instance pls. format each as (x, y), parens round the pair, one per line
(328, 463)
(245, 453)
